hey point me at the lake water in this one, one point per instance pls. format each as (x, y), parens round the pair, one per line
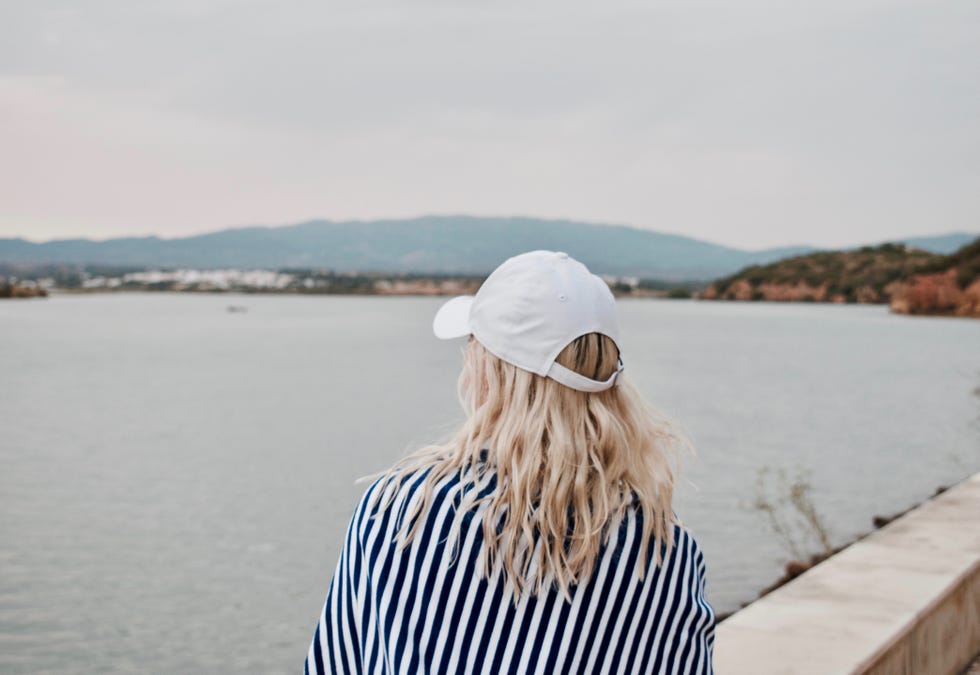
(175, 478)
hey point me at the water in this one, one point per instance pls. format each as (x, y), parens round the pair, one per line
(175, 478)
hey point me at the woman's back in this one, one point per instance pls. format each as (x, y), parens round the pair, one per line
(540, 538)
(426, 607)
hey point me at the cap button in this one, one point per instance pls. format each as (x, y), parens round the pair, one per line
(562, 255)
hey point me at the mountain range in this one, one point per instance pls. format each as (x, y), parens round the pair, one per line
(427, 245)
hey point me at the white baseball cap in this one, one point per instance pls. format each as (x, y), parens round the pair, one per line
(529, 309)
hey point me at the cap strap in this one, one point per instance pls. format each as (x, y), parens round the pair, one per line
(570, 378)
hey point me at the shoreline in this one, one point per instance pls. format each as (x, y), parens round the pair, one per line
(639, 294)
(398, 292)
(891, 305)
(643, 294)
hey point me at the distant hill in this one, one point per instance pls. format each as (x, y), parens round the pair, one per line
(434, 244)
(913, 281)
(943, 243)
(427, 245)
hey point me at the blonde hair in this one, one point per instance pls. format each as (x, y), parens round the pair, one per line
(568, 465)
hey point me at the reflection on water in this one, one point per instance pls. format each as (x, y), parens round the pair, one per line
(176, 477)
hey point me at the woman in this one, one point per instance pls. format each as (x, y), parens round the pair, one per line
(541, 538)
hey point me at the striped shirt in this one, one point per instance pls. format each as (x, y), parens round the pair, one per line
(427, 608)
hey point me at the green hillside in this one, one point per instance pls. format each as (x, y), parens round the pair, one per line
(860, 275)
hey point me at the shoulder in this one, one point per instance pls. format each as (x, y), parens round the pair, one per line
(682, 548)
(687, 555)
(681, 560)
(393, 489)
(403, 491)
(684, 540)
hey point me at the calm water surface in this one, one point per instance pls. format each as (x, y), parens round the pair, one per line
(175, 478)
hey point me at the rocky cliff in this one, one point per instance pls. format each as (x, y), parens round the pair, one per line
(951, 287)
(912, 281)
(861, 275)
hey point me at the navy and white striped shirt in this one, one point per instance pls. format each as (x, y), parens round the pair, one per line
(426, 608)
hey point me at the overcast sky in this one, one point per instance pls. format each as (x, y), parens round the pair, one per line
(749, 123)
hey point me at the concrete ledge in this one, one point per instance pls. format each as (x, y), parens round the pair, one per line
(905, 599)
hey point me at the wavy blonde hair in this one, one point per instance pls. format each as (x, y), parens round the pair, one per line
(568, 464)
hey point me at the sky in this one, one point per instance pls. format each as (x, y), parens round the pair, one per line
(750, 123)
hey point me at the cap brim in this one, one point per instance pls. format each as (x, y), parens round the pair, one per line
(453, 318)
